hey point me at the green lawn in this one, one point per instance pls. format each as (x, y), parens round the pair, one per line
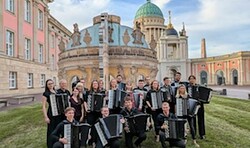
(227, 125)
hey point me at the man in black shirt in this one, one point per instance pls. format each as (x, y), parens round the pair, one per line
(161, 118)
(129, 111)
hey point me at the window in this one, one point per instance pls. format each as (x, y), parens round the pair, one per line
(10, 5)
(30, 80)
(42, 80)
(9, 43)
(52, 41)
(52, 62)
(27, 50)
(12, 80)
(40, 19)
(27, 11)
(40, 53)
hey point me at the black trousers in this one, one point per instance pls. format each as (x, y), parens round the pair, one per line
(129, 139)
(192, 125)
(154, 116)
(172, 142)
(54, 121)
(201, 120)
(58, 145)
(92, 117)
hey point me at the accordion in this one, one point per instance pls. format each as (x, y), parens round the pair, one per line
(108, 128)
(95, 102)
(181, 107)
(139, 98)
(137, 123)
(175, 128)
(157, 99)
(166, 95)
(116, 98)
(205, 94)
(76, 135)
(59, 102)
(193, 107)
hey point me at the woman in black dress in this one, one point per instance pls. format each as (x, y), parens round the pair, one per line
(77, 103)
(52, 121)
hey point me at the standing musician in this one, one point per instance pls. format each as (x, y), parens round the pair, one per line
(77, 103)
(170, 94)
(92, 116)
(114, 86)
(147, 85)
(140, 87)
(114, 142)
(63, 90)
(154, 112)
(200, 113)
(57, 135)
(52, 121)
(177, 82)
(120, 84)
(85, 90)
(102, 89)
(182, 94)
(166, 115)
(129, 91)
(129, 111)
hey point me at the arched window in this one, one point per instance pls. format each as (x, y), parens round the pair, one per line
(203, 77)
(220, 77)
(235, 77)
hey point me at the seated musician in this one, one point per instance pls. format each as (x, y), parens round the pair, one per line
(57, 136)
(166, 115)
(112, 143)
(129, 111)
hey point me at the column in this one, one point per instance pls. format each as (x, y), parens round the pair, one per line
(34, 52)
(2, 47)
(46, 36)
(20, 37)
(213, 74)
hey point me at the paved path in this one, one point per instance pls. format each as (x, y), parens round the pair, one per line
(241, 92)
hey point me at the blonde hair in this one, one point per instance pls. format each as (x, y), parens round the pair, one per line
(178, 91)
(79, 84)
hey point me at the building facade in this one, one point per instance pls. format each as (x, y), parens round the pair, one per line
(27, 57)
(116, 50)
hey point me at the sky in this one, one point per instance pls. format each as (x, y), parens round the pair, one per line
(225, 24)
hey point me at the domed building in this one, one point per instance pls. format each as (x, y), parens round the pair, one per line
(106, 49)
(151, 19)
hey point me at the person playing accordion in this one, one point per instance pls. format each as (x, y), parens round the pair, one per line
(162, 127)
(113, 142)
(127, 112)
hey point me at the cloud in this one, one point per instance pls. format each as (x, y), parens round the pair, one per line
(161, 3)
(82, 12)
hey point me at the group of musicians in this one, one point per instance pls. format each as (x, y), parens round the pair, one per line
(80, 111)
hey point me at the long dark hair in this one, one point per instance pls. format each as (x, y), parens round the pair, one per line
(91, 86)
(46, 85)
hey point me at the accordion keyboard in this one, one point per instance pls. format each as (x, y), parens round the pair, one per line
(67, 135)
(154, 101)
(53, 105)
(110, 99)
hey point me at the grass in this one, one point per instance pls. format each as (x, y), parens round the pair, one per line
(227, 125)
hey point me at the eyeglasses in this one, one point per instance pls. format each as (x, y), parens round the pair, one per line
(50, 83)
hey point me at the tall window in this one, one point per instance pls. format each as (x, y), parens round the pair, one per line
(42, 80)
(40, 19)
(27, 46)
(40, 53)
(10, 5)
(52, 41)
(27, 11)
(52, 62)
(12, 79)
(9, 43)
(30, 80)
